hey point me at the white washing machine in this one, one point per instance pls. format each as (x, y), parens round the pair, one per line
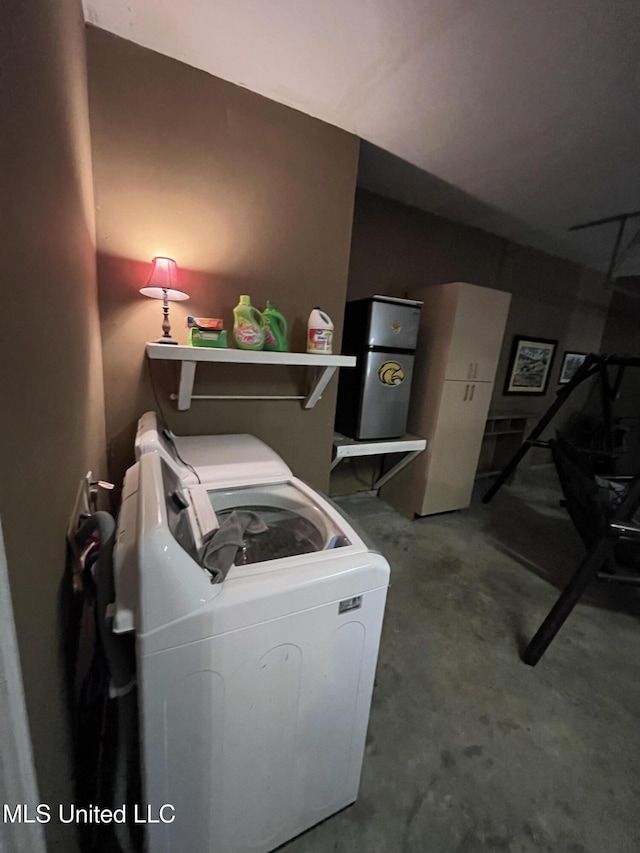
(254, 691)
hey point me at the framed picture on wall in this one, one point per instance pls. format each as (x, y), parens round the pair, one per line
(529, 365)
(571, 361)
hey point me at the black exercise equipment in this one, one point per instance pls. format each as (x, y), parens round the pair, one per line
(593, 366)
(603, 511)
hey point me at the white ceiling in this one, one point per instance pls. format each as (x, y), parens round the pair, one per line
(519, 116)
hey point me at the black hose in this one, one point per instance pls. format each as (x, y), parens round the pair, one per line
(120, 656)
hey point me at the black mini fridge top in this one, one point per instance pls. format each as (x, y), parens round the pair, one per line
(373, 397)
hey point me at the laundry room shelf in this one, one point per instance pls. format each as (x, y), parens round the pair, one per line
(410, 445)
(323, 366)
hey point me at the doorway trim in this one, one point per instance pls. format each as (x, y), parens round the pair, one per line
(17, 770)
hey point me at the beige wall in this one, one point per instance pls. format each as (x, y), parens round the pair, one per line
(248, 196)
(395, 247)
(51, 379)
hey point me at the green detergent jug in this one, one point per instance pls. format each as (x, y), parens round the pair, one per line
(275, 329)
(248, 326)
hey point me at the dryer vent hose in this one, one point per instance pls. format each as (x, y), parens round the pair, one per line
(120, 658)
(121, 664)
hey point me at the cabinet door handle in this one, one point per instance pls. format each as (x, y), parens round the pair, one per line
(466, 393)
(470, 371)
(475, 372)
(473, 388)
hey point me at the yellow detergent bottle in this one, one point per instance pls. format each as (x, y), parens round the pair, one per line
(275, 329)
(248, 326)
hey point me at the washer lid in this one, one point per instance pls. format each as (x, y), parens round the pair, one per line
(230, 459)
(287, 522)
(220, 459)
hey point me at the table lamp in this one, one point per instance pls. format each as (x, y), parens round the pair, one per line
(161, 284)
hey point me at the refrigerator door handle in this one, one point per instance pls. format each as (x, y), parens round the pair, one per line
(466, 393)
(473, 388)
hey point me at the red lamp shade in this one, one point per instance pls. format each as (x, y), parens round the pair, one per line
(162, 284)
(163, 280)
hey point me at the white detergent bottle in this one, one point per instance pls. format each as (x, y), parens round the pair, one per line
(319, 332)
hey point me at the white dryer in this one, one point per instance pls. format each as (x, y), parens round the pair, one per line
(254, 692)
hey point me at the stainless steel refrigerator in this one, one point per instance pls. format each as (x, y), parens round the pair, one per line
(373, 397)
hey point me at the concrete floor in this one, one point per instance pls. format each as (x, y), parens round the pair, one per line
(469, 749)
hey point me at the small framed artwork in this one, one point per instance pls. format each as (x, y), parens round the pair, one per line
(571, 361)
(529, 365)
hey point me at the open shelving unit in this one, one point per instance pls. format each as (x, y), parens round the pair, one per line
(322, 366)
(503, 435)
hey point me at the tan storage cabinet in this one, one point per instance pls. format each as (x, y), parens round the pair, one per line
(462, 326)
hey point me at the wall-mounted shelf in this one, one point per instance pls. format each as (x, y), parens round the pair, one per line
(410, 445)
(324, 367)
